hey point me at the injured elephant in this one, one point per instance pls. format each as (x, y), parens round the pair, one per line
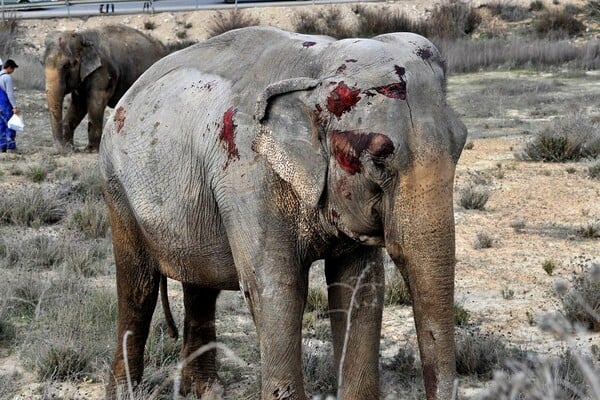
(237, 162)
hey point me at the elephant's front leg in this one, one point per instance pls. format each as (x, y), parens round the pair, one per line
(276, 295)
(356, 285)
(199, 373)
(97, 101)
(76, 110)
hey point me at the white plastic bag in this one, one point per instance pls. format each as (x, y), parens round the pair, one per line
(16, 123)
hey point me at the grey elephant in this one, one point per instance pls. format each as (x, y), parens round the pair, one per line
(96, 67)
(237, 162)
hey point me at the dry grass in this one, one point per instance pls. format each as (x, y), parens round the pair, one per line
(224, 21)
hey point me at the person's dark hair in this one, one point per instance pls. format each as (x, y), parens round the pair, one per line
(10, 64)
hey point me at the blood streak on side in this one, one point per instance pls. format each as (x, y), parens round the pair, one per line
(119, 118)
(227, 136)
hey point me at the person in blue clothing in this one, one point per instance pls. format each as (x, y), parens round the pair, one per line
(8, 106)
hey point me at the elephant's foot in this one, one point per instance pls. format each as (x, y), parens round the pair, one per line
(202, 387)
(92, 148)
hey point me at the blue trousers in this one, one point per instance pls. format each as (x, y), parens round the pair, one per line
(7, 136)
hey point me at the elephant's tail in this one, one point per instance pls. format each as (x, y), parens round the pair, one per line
(164, 299)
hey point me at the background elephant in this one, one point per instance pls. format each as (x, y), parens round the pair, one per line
(236, 163)
(97, 67)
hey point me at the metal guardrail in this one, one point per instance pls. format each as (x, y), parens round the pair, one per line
(31, 9)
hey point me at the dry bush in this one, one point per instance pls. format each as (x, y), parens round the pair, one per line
(581, 304)
(541, 378)
(8, 40)
(377, 21)
(396, 291)
(508, 11)
(223, 22)
(30, 207)
(479, 354)
(483, 241)
(473, 197)
(536, 5)
(328, 22)
(73, 314)
(452, 20)
(555, 24)
(571, 138)
(464, 55)
(594, 170)
(405, 366)
(91, 219)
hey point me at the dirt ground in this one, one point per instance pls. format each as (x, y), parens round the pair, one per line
(532, 215)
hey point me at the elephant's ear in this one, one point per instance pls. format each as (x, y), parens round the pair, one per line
(288, 137)
(90, 60)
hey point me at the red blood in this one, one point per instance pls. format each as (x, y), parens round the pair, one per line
(227, 136)
(394, 91)
(119, 118)
(342, 99)
(347, 147)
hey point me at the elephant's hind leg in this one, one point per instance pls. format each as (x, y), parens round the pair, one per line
(200, 372)
(137, 289)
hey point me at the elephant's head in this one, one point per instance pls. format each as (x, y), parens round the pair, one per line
(69, 59)
(373, 145)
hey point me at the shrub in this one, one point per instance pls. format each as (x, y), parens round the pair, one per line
(318, 369)
(149, 25)
(518, 225)
(581, 304)
(68, 339)
(34, 252)
(549, 266)
(594, 170)
(36, 173)
(536, 5)
(328, 22)
(571, 138)
(473, 197)
(63, 362)
(464, 55)
(541, 378)
(30, 207)
(404, 365)
(396, 291)
(222, 22)
(181, 34)
(452, 20)
(507, 11)
(479, 354)
(377, 21)
(461, 315)
(554, 24)
(469, 145)
(483, 241)
(8, 39)
(591, 230)
(91, 219)
(316, 301)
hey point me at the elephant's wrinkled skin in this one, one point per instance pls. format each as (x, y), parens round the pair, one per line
(237, 162)
(96, 67)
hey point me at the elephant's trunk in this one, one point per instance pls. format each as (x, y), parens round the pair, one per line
(55, 94)
(419, 230)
